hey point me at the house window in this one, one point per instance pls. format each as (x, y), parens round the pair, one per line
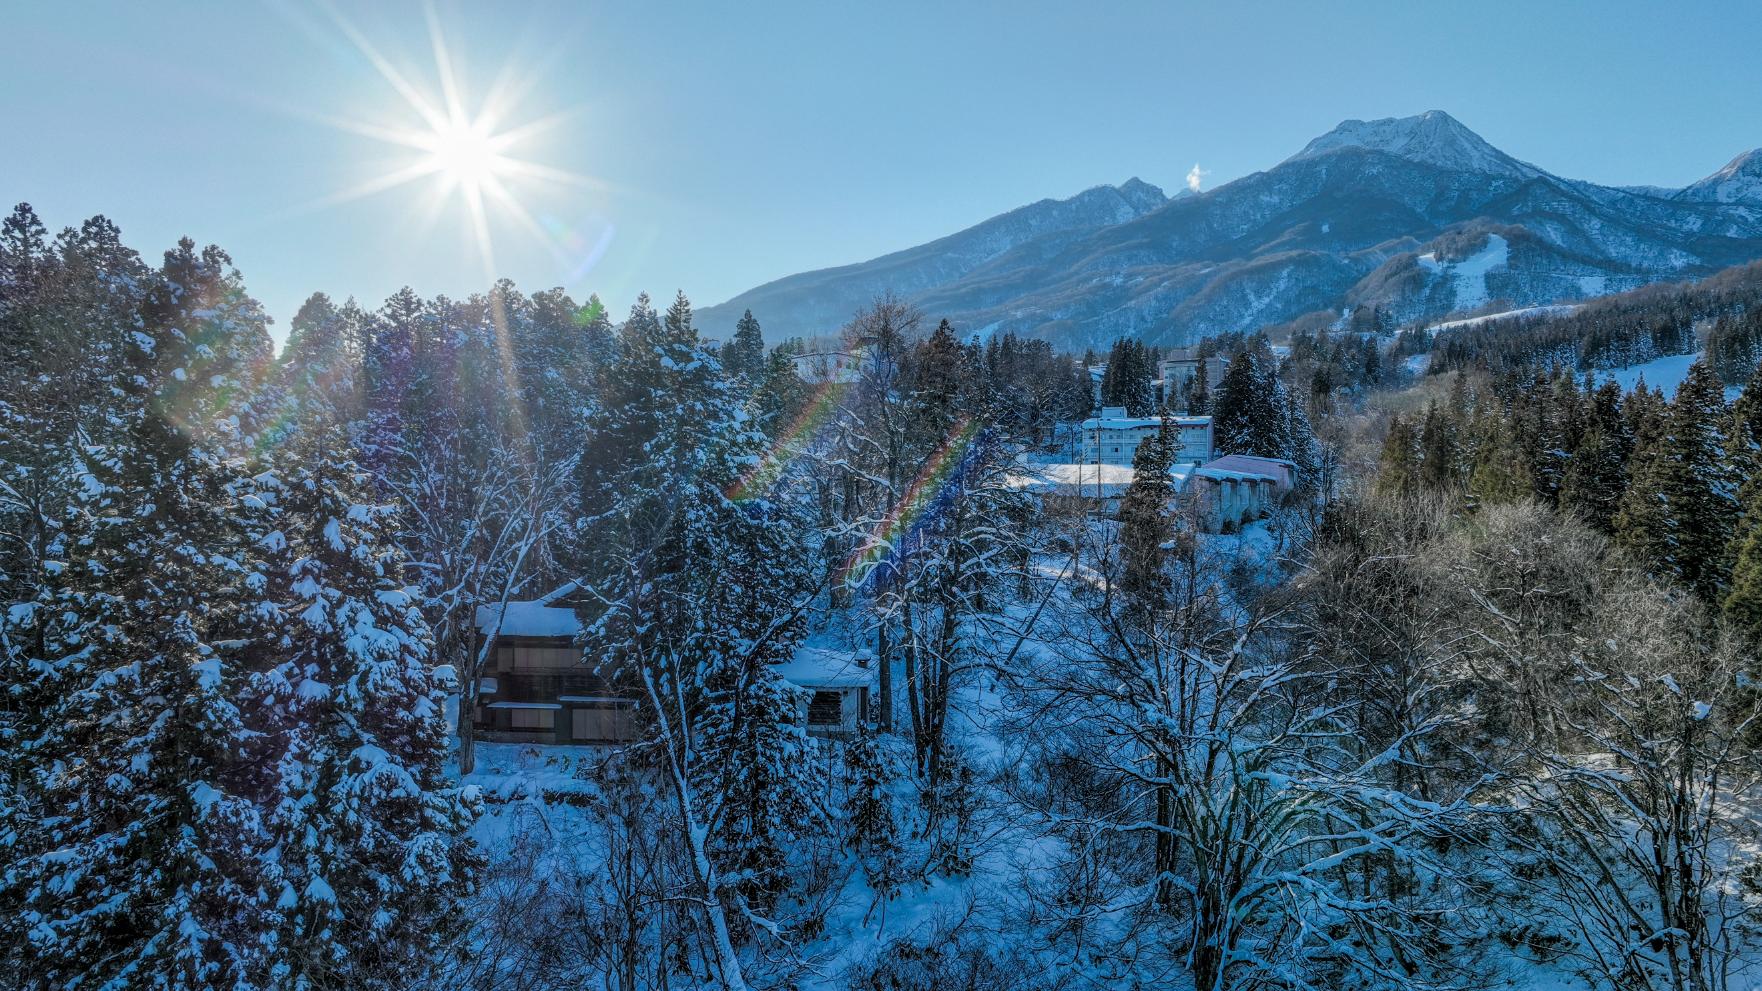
(532, 719)
(539, 658)
(603, 722)
(826, 709)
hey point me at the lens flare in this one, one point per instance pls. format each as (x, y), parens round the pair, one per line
(904, 530)
(816, 415)
(467, 149)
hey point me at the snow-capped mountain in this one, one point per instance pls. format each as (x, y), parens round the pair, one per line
(1418, 215)
(1739, 182)
(1433, 138)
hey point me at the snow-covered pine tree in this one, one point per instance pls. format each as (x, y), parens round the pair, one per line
(1147, 522)
(135, 854)
(369, 834)
(673, 623)
(743, 357)
(1399, 468)
(1549, 416)
(752, 571)
(1743, 600)
(1201, 395)
(1251, 412)
(593, 323)
(67, 312)
(1499, 473)
(1126, 382)
(1680, 508)
(1440, 450)
(318, 365)
(780, 393)
(871, 827)
(1596, 474)
(1304, 450)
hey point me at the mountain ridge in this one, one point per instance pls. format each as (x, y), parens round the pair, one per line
(1341, 224)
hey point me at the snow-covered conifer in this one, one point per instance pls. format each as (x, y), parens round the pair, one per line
(135, 854)
(369, 832)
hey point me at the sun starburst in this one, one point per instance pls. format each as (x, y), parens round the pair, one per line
(468, 150)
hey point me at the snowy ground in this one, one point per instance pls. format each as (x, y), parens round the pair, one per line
(535, 790)
(528, 786)
(1553, 309)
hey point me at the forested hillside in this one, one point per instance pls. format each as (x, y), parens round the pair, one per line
(1722, 313)
(1471, 705)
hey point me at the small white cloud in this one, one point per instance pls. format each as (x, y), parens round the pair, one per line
(1196, 176)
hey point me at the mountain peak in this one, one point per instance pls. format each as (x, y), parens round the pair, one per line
(1739, 182)
(1141, 194)
(1433, 138)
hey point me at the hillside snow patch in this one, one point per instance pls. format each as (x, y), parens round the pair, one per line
(1470, 274)
(1664, 373)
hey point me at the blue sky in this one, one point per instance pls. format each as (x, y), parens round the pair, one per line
(716, 146)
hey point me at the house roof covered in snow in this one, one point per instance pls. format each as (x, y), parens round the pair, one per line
(1250, 462)
(1071, 479)
(1226, 475)
(1095, 480)
(530, 617)
(811, 667)
(823, 667)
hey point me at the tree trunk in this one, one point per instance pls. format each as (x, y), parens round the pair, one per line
(913, 698)
(1165, 840)
(884, 655)
(469, 693)
(704, 875)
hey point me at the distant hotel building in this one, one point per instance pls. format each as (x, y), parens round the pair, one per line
(1181, 367)
(1112, 438)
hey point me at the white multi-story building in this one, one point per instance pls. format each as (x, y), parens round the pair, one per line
(1112, 438)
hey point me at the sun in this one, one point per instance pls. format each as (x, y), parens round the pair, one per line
(464, 155)
(468, 148)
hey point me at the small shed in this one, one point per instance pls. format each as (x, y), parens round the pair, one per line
(836, 687)
(1227, 498)
(1282, 472)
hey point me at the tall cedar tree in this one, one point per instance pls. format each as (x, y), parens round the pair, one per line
(1743, 603)
(743, 357)
(1500, 473)
(1251, 413)
(937, 382)
(700, 595)
(1440, 447)
(1596, 474)
(1127, 380)
(1399, 469)
(753, 564)
(136, 852)
(781, 394)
